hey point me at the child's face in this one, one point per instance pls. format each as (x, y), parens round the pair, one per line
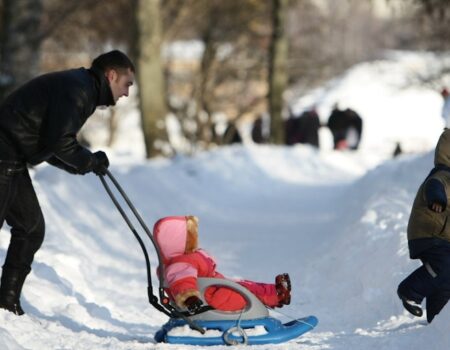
(192, 234)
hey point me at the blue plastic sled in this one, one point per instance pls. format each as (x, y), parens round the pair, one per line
(277, 332)
(233, 327)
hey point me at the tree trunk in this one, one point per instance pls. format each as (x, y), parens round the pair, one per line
(203, 95)
(113, 122)
(278, 70)
(150, 74)
(20, 45)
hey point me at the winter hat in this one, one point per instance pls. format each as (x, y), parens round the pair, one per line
(170, 234)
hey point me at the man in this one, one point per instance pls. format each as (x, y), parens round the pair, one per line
(429, 239)
(39, 122)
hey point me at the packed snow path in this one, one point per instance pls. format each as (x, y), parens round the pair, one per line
(263, 211)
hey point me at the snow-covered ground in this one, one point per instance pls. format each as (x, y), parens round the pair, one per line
(335, 221)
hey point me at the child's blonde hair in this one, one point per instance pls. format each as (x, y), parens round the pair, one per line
(192, 233)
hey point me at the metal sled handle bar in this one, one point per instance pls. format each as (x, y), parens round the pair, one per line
(138, 238)
(152, 298)
(139, 218)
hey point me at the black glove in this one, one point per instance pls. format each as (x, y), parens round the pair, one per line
(100, 163)
(193, 304)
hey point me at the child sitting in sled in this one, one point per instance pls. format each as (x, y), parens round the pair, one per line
(184, 262)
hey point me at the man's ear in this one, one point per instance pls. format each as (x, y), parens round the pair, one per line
(111, 75)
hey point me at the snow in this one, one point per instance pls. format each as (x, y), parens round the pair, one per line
(336, 221)
(210, 333)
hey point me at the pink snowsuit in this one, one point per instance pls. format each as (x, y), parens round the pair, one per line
(182, 270)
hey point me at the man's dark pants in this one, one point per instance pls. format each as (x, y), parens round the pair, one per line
(430, 281)
(20, 208)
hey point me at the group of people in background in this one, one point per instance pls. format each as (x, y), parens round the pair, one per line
(345, 126)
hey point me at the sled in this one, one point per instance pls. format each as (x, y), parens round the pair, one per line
(209, 326)
(252, 326)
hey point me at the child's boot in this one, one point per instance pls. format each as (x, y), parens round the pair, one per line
(414, 288)
(411, 306)
(283, 287)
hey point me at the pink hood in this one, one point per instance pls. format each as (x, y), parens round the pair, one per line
(170, 234)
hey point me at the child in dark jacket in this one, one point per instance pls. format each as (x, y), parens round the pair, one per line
(429, 239)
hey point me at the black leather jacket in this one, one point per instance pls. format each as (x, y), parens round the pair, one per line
(40, 119)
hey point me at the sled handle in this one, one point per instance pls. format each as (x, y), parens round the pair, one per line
(152, 298)
(138, 217)
(131, 226)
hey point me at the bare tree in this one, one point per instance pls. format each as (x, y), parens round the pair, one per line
(150, 74)
(433, 31)
(230, 76)
(26, 26)
(326, 39)
(20, 46)
(278, 76)
(75, 31)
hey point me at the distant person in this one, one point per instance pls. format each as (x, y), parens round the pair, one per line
(308, 125)
(398, 150)
(429, 239)
(291, 130)
(38, 123)
(346, 128)
(231, 135)
(303, 129)
(257, 131)
(446, 107)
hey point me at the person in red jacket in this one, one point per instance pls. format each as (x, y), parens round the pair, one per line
(184, 262)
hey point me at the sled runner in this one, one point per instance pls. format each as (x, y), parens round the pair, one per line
(209, 326)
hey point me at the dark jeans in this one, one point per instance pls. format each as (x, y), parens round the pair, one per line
(20, 208)
(434, 284)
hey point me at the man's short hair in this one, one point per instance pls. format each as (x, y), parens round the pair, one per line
(112, 60)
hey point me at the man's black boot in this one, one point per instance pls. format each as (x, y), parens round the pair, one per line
(10, 289)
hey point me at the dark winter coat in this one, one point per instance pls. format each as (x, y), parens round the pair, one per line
(40, 120)
(339, 123)
(303, 129)
(308, 126)
(427, 228)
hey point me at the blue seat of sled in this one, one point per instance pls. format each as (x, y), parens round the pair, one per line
(277, 332)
